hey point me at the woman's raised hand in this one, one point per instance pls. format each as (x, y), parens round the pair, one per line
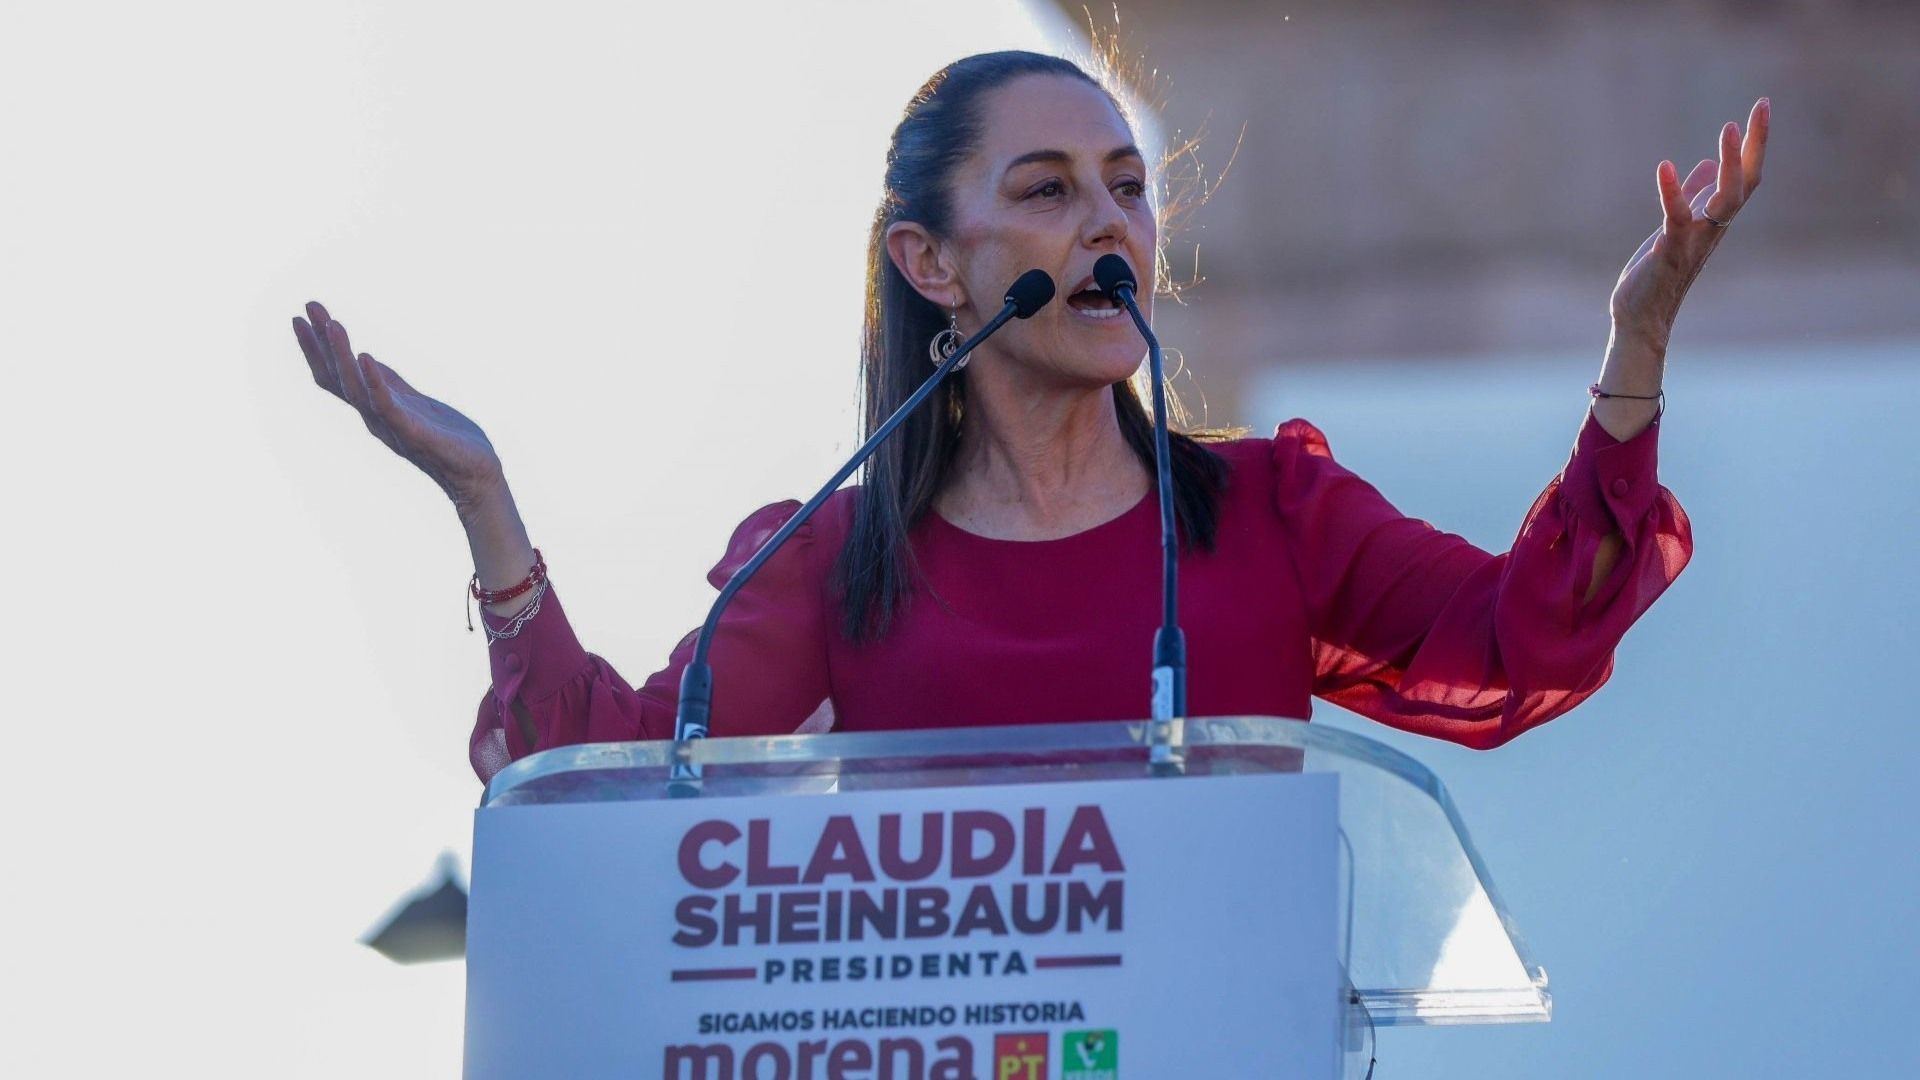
(1647, 297)
(434, 436)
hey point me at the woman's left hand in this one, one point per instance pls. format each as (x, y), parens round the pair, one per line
(1647, 297)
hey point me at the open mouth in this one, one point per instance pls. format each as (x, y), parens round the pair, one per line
(1093, 303)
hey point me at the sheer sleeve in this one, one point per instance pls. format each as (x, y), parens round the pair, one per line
(1420, 630)
(769, 656)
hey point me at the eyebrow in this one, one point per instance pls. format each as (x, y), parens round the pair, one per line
(1057, 156)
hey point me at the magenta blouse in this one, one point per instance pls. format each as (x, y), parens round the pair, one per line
(1317, 587)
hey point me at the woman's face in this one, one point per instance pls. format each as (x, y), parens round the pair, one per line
(1055, 183)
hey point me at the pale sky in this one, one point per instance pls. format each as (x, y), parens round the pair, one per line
(248, 679)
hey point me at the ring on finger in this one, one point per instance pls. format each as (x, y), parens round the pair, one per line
(1716, 222)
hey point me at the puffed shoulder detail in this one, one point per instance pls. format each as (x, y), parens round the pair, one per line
(1297, 436)
(753, 533)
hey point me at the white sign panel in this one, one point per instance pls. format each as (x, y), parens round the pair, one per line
(1063, 931)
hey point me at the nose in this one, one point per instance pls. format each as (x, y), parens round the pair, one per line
(1106, 221)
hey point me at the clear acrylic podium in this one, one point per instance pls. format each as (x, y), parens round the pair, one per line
(1424, 937)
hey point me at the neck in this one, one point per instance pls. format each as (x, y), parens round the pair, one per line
(1039, 464)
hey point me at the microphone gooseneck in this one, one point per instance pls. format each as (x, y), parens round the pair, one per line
(1031, 292)
(1115, 278)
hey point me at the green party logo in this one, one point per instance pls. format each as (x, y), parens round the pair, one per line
(1090, 1055)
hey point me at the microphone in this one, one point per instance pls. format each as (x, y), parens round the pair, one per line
(1115, 278)
(1028, 294)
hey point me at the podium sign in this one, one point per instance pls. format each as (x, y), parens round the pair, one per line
(1024, 931)
(851, 905)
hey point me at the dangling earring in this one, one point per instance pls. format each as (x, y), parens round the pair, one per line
(947, 342)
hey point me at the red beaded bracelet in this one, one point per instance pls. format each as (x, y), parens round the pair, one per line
(494, 596)
(535, 575)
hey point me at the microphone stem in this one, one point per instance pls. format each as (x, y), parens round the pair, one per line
(1169, 643)
(696, 682)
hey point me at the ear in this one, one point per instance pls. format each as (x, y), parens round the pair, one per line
(922, 259)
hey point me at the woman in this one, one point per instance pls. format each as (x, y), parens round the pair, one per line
(997, 565)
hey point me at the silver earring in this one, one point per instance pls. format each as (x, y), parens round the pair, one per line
(946, 342)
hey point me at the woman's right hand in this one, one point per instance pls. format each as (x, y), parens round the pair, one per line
(434, 436)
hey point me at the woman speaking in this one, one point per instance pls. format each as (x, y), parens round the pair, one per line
(995, 566)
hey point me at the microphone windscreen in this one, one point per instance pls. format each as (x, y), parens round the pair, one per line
(1030, 292)
(1111, 272)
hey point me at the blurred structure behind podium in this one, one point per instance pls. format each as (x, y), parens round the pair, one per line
(1421, 180)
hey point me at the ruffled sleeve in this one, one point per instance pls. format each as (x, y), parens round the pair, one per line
(768, 657)
(1419, 629)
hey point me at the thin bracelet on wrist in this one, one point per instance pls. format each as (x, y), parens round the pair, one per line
(526, 614)
(1596, 394)
(536, 578)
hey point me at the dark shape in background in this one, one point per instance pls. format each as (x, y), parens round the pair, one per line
(1423, 180)
(427, 924)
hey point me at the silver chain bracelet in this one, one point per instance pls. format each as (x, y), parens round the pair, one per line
(526, 614)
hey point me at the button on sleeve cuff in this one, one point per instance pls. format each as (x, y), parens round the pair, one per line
(1609, 484)
(543, 657)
